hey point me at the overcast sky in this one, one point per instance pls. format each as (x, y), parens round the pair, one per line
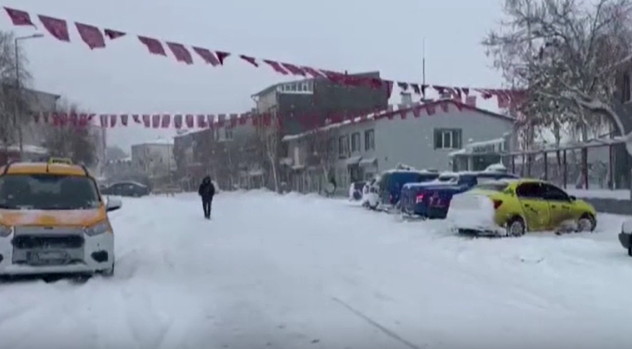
(339, 35)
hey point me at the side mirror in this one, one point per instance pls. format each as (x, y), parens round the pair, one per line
(573, 198)
(112, 204)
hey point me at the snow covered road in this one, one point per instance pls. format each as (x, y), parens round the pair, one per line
(304, 272)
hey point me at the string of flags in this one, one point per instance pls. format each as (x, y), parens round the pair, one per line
(190, 121)
(98, 38)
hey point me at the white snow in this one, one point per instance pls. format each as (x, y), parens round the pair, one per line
(306, 272)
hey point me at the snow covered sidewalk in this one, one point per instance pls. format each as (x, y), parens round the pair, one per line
(305, 272)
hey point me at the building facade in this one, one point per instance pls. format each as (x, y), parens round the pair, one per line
(358, 151)
(232, 156)
(319, 98)
(32, 132)
(154, 159)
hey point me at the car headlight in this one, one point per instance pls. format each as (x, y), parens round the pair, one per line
(99, 228)
(5, 231)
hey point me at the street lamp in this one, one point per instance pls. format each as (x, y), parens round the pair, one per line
(16, 114)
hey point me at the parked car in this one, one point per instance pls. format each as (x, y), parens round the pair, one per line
(625, 237)
(513, 207)
(432, 199)
(126, 189)
(356, 190)
(386, 190)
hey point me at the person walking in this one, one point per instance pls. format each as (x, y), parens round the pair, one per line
(207, 191)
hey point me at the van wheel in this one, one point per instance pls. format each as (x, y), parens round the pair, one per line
(516, 227)
(586, 223)
(630, 251)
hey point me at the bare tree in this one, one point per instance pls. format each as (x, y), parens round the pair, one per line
(70, 139)
(14, 76)
(567, 55)
(270, 134)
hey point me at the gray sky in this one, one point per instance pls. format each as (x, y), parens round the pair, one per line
(338, 35)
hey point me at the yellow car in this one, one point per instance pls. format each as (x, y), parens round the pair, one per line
(514, 207)
(54, 221)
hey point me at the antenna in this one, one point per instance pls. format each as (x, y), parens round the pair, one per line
(423, 60)
(423, 66)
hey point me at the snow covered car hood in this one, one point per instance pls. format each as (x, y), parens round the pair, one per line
(52, 217)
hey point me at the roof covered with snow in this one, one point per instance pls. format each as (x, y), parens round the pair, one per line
(395, 110)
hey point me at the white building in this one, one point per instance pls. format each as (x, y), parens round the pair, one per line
(421, 136)
(154, 158)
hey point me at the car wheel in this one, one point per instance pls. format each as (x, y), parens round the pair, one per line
(516, 227)
(587, 223)
(630, 251)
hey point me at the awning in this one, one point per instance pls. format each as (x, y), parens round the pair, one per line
(354, 160)
(368, 162)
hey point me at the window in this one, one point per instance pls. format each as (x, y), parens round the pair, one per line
(447, 138)
(554, 193)
(626, 93)
(369, 140)
(343, 146)
(48, 192)
(355, 142)
(530, 190)
(493, 186)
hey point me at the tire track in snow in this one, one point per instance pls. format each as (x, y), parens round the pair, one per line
(377, 325)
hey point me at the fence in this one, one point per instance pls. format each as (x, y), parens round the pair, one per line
(594, 165)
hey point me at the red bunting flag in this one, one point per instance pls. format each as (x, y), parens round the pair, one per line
(56, 27)
(153, 46)
(91, 35)
(19, 17)
(180, 52)
(113, 34)
(207, 55)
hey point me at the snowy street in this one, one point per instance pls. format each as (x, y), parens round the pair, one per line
(306, 272)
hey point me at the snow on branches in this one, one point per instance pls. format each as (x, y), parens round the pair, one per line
(568, 55)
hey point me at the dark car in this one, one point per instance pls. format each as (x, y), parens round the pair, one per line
(432, 200)
(391, 184)
(126, 189)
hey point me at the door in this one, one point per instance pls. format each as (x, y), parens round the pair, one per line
(559, 205)
(535, 208)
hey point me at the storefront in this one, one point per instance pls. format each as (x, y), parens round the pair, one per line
(478, 156)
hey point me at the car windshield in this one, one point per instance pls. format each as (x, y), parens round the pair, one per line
(492, 186)
(47, 192)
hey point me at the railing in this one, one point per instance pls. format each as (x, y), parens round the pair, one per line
(583, 166)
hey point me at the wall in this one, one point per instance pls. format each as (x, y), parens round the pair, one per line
(40, 102)
(411, 141)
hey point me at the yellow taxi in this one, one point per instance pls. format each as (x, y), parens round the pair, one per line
(512, 207)
(54, 221)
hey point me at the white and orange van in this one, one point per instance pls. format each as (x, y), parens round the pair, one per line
(54, 221)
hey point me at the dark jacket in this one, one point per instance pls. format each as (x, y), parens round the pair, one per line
(207, 189)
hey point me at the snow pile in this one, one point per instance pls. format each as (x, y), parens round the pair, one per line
(470, 210)
(292, 271)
